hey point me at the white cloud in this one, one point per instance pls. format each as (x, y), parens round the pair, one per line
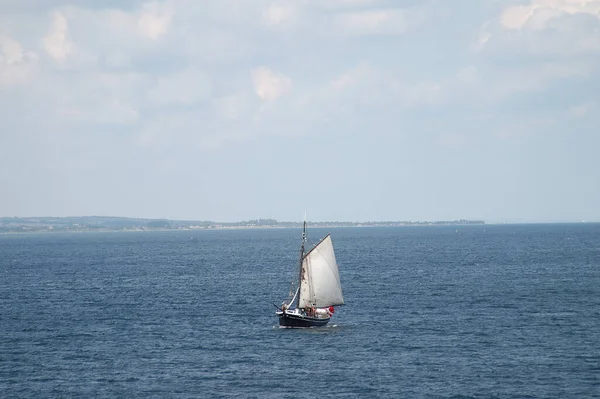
(173, 78)
(270, 85)
(57, 42)
(361, 73)
(16, 64)
(538, 13)
(483, 37)
(543, 28)
(374, 22)
(11, 50)
(236, 101)
(516, 17)
(280, 15)
(155, 19)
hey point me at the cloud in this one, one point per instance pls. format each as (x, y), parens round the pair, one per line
(203, 63)
(16, 64)
(361, 73)
(539, 13)
(270, 85)
(57, 42)
(549, 29)
(208, 91)
(483, 37)
(155, 19)
(280, 15)
(374, 22)
(11, 51)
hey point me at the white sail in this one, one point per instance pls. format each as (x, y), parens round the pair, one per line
(320, 285)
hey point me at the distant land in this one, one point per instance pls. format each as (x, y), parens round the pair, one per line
(108, 223)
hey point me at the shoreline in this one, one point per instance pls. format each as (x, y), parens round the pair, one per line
(187, 229)
(141, 230)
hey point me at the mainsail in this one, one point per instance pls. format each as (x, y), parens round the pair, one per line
(320, 280)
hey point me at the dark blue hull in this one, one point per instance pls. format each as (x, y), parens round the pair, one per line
(300, 321)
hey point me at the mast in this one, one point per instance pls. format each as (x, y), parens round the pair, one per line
(301, 257)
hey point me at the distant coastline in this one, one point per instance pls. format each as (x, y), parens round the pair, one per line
(108, 223)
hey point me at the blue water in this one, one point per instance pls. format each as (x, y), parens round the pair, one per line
(431, 312)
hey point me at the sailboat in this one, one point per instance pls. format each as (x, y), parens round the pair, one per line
(318, 289)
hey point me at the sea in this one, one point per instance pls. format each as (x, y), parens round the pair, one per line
(480, 311)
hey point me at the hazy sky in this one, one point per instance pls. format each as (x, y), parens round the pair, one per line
(347, 109)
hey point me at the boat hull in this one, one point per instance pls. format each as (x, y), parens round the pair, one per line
(301, 321)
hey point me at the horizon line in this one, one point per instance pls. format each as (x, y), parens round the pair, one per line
(491, 221)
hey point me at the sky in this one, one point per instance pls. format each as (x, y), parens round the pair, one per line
(350, 110)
